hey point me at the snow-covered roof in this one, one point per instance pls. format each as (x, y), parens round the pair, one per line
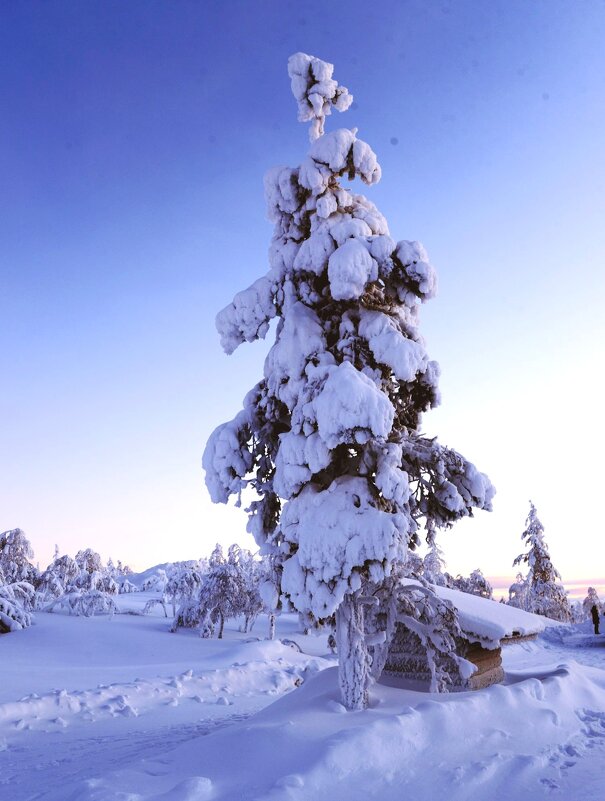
(488, 621)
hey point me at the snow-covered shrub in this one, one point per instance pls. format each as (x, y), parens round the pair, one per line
(541, 591)
(83, 585)
(15, 555)
(127, 587)
(16, 603)
(329, 439)
(156, 582)
(87, 602)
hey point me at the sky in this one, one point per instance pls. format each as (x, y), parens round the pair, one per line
(133, 142)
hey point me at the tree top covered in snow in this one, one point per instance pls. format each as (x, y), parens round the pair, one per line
(315, 90)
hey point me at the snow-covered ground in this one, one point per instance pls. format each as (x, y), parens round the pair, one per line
(120, 709)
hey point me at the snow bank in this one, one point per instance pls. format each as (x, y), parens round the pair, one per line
(508, 742)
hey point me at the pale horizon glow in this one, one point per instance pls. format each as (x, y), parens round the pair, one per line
(134, 140)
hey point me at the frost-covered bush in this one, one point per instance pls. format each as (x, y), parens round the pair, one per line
(329, 439)
(127, 586)
(540, 591)
(15, 555)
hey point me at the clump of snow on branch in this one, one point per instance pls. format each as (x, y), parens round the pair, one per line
(334, 532)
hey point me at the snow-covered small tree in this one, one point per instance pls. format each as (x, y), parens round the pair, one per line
(89, 561)
(223, 594)
(544, 593)
(518, 592)
(123, 570)
(330, 438)
(15, 555)
(62, 573)
(16, 603)
(269, 589)
(87, 602)
(156, 582)
(252, 573)
(127, 587)
(592, 599)
(184, 581)
(82, 586)
(475, 584)
(433, 563)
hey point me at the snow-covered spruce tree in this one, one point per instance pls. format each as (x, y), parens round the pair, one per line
(332, 429)
(433, 563)
(544, 595)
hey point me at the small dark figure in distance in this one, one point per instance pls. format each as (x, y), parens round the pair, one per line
(595, 618)
(332, 643)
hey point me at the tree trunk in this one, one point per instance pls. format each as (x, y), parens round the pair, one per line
(271, 626)
(353, 657)
(222, 625)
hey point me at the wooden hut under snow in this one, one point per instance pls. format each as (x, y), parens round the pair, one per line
(486, 626)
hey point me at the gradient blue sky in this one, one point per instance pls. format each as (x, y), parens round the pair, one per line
(133, 141)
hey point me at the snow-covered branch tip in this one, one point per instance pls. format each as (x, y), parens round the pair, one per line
(316, 91)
